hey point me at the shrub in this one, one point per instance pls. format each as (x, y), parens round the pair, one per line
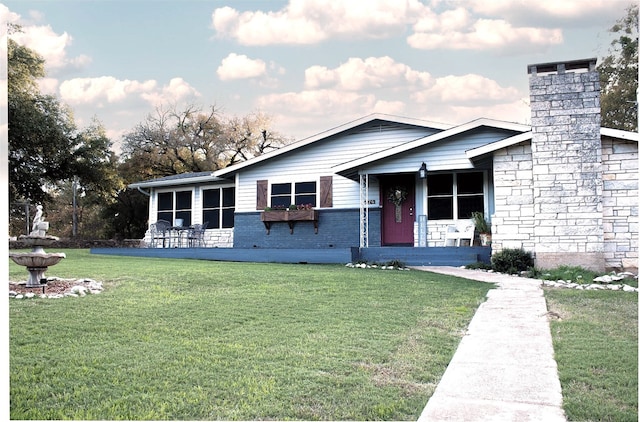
(478, 266)
(512, 261)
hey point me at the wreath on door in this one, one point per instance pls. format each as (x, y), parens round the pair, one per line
(397, 195)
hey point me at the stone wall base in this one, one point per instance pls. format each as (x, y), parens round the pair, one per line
(549, 260)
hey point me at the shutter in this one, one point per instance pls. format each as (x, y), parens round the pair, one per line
(261, 194)
(326, 191)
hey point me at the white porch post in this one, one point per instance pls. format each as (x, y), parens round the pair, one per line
(422, 218)
(364, 210)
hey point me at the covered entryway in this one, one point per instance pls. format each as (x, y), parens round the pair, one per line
(398, 210)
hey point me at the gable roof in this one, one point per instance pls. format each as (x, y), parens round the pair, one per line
(348, 167)
(326, 134)
(516, 139)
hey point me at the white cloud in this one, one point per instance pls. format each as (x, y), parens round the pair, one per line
(458, 29)
(466, 89)
(105, 88)
(45, 41)
(506, 25)
(357, 74)
(177, 90)
(108, 90)
(236, 66)
(310, 22)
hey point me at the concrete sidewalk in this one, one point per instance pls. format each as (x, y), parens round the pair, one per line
(504, 368)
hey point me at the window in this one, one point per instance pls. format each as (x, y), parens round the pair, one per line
(455, 195)
(173, 205)
(300, 193)
(218, 207)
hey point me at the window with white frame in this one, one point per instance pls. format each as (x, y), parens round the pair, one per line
(298, 193)
(455, 195)
(218, 207)
(175, 205)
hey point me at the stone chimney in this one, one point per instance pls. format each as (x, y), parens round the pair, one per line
(567, 164)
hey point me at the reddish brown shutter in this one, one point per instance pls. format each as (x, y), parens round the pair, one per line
(261, 194)
(326, 191)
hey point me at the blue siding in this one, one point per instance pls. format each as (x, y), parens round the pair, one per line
(449, 256)
(337, 228)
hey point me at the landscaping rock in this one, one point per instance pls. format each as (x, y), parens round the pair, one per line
(57, 288)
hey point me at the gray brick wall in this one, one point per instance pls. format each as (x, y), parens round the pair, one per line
(337, 228)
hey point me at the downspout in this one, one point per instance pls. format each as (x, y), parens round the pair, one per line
(142, 191)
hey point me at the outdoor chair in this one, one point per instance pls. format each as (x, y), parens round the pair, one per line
(195, 237)
(160, 230)
(463, 231)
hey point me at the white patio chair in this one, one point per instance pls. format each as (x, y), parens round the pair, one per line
(463, 231)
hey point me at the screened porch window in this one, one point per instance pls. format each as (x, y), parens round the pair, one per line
(299, 193)
(218, 207)
(173, 205)
(454, 195)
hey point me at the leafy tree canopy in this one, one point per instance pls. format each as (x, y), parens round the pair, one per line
(45, 146)
(619, 75)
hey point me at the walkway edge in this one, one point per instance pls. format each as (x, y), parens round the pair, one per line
(504, 368)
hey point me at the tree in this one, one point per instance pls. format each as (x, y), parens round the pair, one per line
(45, 146)
(619, 75)
(172, 141)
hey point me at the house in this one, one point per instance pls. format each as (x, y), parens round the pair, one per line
(563, 187)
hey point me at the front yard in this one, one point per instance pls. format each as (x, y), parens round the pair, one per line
(185, 339)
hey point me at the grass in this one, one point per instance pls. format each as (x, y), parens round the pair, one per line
(596, 348)
(193, 340)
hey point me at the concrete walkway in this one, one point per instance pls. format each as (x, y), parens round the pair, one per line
(504, 367)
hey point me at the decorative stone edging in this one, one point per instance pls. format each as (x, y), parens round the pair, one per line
(78, 288)
(382, 267)
(604, 282)
(571, 285)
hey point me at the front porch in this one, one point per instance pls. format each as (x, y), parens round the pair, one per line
(440, 256)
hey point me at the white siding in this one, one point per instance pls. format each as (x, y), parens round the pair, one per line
(443, 155)
(311, 162)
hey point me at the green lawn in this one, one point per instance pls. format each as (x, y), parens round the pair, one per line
(596, 348)
(183, 339)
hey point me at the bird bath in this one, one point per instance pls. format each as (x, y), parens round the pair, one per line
(37, 261)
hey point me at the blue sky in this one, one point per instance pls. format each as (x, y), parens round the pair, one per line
(311, 65)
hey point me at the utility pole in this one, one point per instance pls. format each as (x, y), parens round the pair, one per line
(75, 213)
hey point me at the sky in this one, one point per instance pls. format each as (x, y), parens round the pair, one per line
(310, 65)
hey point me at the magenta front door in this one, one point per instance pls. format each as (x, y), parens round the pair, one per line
(398, 210)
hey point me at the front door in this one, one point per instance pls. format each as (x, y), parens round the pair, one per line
(398, 210)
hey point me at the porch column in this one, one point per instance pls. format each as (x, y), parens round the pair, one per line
(364, 210)
(422, 218)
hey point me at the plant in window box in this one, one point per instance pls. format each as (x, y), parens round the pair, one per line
(483, 227)
(289, 214)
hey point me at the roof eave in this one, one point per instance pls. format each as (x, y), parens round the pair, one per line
(620, 134)
(175, 182)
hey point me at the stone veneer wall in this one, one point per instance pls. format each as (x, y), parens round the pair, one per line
(567, 167)
(214, 238)
(513, 221)
(620, 203)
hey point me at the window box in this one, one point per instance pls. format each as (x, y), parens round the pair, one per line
(290, 217)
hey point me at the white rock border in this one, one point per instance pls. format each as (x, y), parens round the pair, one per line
(376, 266)
(82, 287)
